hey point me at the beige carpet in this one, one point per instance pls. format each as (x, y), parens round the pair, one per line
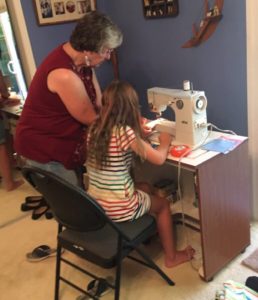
(251, 261)
(10, 203)
(23, 280)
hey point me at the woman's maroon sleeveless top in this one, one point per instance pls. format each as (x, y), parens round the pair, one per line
(46, 131)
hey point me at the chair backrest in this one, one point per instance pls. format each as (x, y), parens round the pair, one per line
(72, 207)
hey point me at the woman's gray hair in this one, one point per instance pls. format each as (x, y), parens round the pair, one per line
(94, 32)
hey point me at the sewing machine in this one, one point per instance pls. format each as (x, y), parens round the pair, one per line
(190, 126)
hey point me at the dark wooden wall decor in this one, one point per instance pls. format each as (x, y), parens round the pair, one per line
(208, 24)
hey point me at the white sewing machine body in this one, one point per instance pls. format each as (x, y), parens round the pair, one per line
(190, 114)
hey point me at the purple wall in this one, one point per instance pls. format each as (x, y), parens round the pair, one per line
(151, 54)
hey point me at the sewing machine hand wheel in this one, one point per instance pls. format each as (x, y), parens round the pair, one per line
(200, 104)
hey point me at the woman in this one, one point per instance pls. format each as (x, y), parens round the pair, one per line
(64, 98)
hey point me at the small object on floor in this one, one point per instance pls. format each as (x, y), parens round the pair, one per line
(39, 212)
(33, 199)
(237, 290)
(39, 206)
(252, 261)
(97, 288)
(49, 214)
(26, 206)
(252, 283)
(41, 252)
(33, 202)
(220, 295)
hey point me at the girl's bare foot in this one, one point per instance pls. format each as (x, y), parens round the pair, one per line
(180, 257)
(14, 185)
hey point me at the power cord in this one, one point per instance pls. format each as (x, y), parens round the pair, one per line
(185, 232)
(219, 129)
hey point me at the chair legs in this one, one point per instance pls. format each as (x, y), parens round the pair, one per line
(146, 261)
(152, 265)
(118, 268)
(58, 265)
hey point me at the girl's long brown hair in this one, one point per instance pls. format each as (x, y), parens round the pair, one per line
(120, 108)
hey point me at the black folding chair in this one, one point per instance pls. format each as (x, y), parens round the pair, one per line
(84, 229)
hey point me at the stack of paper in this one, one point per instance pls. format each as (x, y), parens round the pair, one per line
(222, 144)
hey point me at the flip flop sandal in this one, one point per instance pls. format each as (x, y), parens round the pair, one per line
(39, 211)
(33, 199)
(32, 205)
(40, 253)
(97, 288)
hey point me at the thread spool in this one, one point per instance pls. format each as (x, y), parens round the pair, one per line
(186, 85)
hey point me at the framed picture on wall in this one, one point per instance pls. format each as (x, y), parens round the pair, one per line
(59, 11)
(160, 8)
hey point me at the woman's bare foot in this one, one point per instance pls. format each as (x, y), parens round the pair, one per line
(14, 185)
(180, 257)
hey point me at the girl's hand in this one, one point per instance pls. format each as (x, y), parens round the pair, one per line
(146, 130)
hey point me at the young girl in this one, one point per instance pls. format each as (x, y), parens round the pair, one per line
(112, 140)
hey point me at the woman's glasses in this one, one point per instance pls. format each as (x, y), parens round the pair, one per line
(106, 53)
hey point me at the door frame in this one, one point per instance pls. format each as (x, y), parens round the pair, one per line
(22, 38)
(252, 96)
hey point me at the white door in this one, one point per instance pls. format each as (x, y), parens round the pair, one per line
(9, 59)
